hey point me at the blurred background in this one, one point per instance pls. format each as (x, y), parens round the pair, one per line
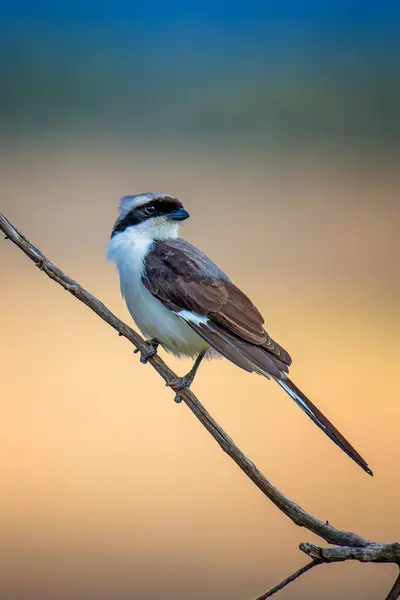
(277, 125)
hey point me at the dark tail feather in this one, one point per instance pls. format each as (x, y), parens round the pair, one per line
(323, 423)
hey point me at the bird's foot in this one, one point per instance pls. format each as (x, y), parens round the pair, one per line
(153, 345)
(179, 384)
(183, 383)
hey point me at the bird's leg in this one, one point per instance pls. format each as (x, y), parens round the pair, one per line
(153, 345)
(184, 383)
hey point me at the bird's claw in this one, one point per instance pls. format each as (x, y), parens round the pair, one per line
(144, 357)
(179, 384)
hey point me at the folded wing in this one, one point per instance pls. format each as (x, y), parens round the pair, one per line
(190, 284)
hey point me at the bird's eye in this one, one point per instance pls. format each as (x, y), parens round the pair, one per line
(149, 210)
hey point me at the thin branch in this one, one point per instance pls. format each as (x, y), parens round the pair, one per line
(297, 514)
(353, 546)
(395, 591)
(289, 579)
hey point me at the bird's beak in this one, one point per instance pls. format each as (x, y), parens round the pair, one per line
(178, 215)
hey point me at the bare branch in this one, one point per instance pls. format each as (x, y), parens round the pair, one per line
(395, 591)
(289, 579)
(291, 509)
(372, 553)
(353, 546)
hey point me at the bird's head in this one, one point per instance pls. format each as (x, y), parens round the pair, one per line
(152, 214)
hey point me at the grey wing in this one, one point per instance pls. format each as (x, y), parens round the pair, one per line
(184, 279)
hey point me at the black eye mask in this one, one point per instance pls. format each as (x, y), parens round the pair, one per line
(156, 208)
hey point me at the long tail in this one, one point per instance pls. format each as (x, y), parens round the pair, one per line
(323, 423)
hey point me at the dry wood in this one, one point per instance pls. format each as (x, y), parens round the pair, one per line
(288, 580)
(354, 547)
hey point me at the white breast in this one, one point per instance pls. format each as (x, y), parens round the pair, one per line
(128, 250)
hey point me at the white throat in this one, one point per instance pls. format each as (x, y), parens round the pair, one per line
(137, 240)
(128, 249)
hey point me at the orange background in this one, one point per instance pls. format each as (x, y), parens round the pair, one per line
(111, 490)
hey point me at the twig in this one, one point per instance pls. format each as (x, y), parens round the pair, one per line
(291, 509)
(373, 553)
(351, 542)
(395, 591)
(288, 580)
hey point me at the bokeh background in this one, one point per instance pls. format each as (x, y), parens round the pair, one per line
(277, 124)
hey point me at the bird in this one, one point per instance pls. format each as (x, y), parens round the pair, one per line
(183, 301)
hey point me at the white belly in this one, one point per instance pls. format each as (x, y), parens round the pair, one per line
(149, 314)
(156, 321)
